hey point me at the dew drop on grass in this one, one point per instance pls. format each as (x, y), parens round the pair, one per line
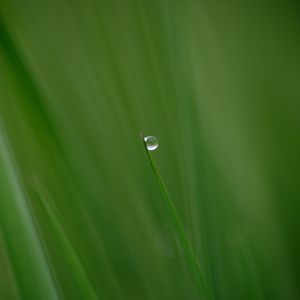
(151, 142)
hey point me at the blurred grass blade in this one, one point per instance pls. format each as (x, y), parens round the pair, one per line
(20, 235)
(189, 254)
(65, 243)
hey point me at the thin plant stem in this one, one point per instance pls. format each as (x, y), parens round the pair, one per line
(188, 251)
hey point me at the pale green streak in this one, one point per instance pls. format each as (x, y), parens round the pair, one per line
(26, 254)
(65, 243)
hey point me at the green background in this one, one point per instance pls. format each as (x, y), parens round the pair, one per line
(217, 82)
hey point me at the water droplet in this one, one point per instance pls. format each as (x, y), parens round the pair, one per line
(151, 142)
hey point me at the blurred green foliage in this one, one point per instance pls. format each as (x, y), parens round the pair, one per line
(217, 83)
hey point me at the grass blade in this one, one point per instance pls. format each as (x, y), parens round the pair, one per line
(20, 235)
(188, 251)
(65, 243)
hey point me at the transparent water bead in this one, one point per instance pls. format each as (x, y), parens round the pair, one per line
(151, 142)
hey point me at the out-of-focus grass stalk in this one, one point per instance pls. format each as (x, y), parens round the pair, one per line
(27, 258)
(188, 251)
(66, 245)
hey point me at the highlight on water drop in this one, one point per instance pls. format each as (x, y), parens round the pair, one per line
(151, 142)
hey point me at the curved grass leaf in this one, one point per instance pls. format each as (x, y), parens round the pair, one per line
(189, 254)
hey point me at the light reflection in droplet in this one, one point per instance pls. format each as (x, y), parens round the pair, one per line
(151, 142)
